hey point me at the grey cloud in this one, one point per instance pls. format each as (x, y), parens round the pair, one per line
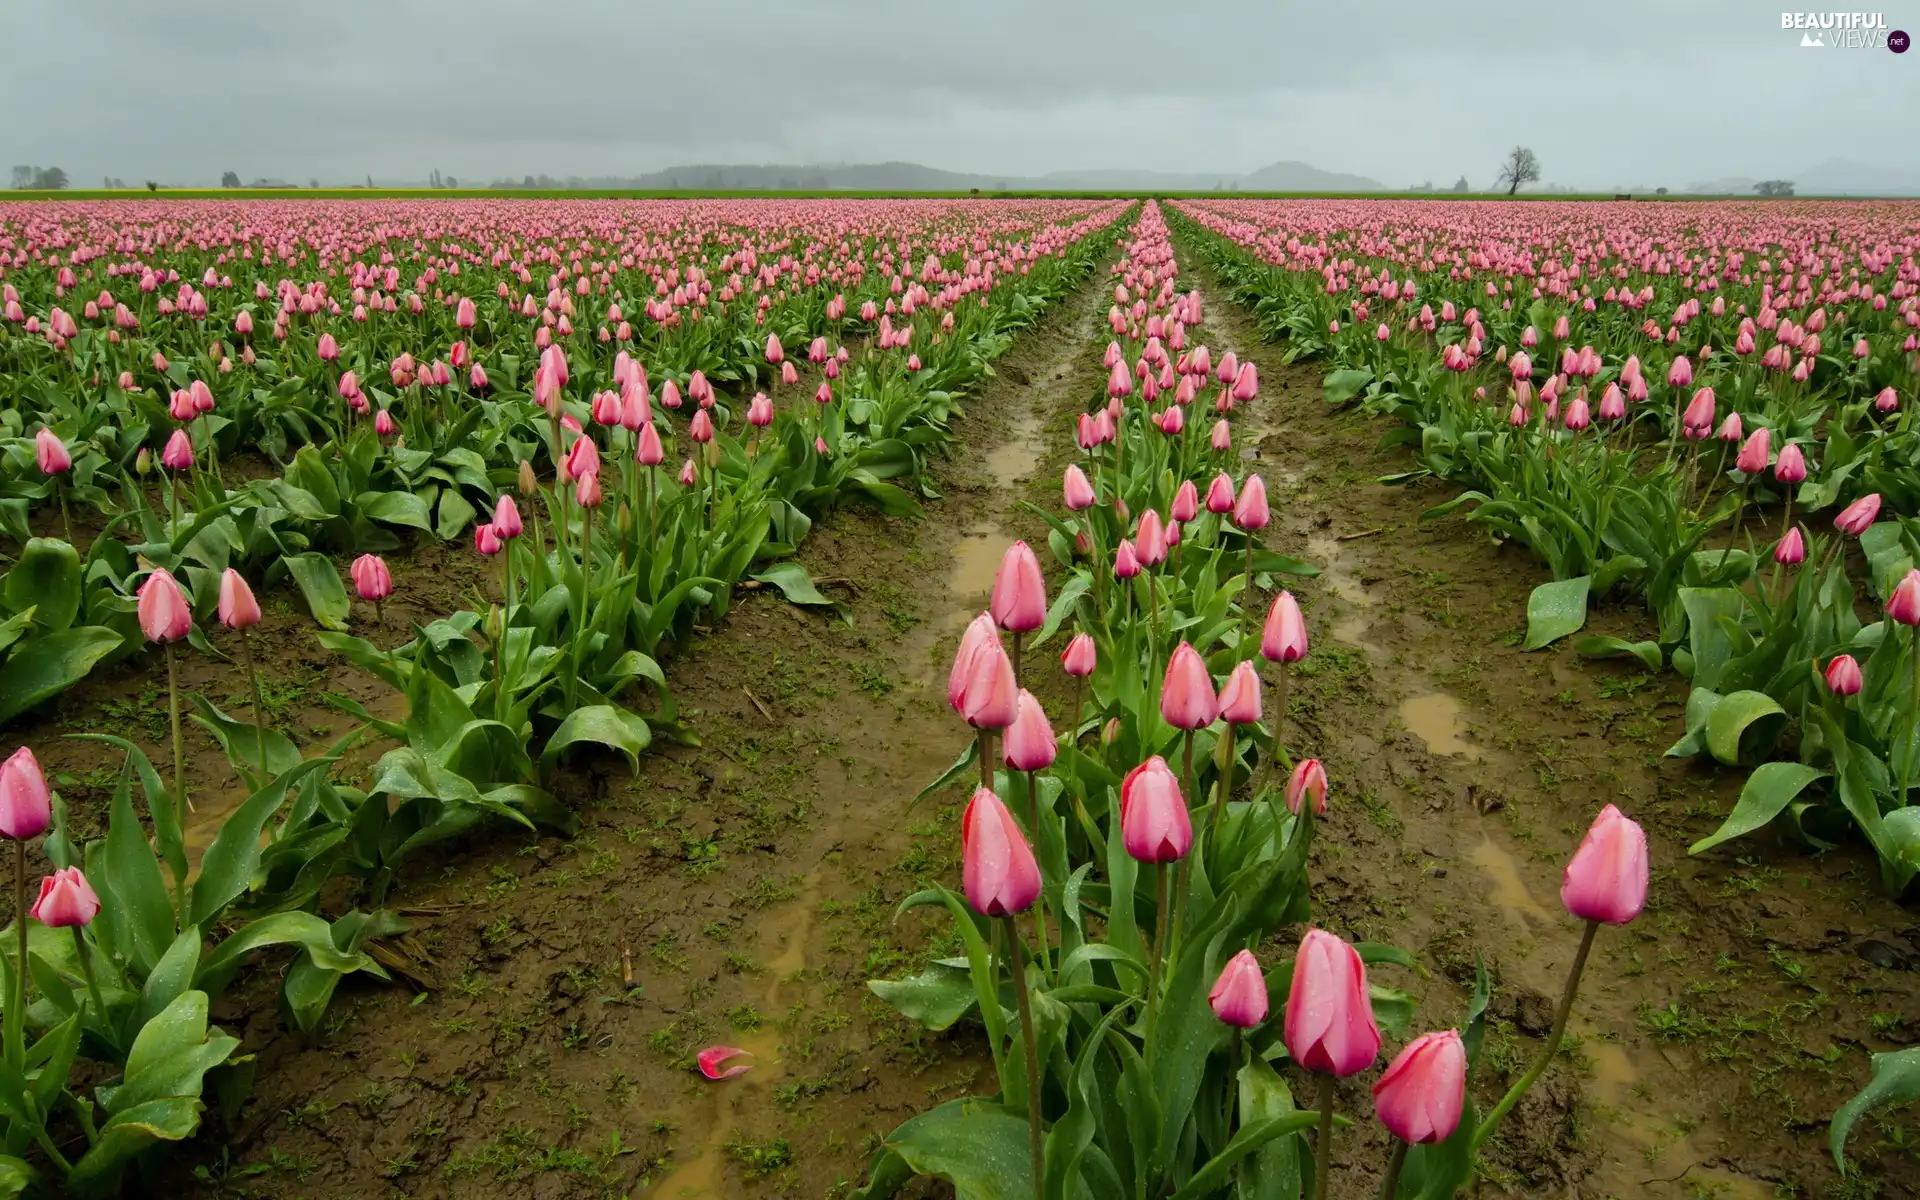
(1627, 92)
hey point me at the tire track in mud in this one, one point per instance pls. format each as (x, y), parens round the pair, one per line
(1464, 774)
(738, 892)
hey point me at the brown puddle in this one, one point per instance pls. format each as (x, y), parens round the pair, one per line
(1339, 577)
(1015, 459)
(704, 1176)
(1509, 892)
(1435, 719)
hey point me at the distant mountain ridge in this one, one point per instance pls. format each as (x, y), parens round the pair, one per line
(913, 177)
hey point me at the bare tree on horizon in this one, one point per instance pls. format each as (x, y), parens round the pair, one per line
(1522, 166)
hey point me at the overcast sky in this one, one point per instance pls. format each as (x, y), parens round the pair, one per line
(1623, 92)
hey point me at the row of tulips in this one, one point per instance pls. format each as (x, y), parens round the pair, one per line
(1648, 437)
(1122, 919)
(157, 937)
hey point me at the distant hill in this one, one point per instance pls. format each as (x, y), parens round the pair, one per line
(913, 177)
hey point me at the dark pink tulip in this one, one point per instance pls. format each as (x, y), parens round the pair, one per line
(371, 579)
(1420, 1096)
(998, 870)
(1329, 1026)
(1904, 604)
(50, 453)
(1843, 676)
(713, 1062)
(506, 518)
(66, 900)
(1029, 740)
(1154, 825)
(1856, 517)
(177, 455)
(1791, 550)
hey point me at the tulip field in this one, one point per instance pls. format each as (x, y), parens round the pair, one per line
(471, 672)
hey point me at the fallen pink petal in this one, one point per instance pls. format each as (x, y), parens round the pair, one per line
(713, 1059)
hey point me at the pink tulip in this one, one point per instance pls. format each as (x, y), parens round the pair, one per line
(1843, 676)
(1080, 656)
(586, 491)
(1606, 880)
(328, 349)
(1285, 638)
(1904, 604)
(1680, 374)
(1077, 492)
(760, 410)
(1239, 996)
(1791, 467)
(686, 473)
(997, 866)
(649, 452)
(238, 609)
(775, 354)
(178, 452)
(1154, 825)
(582, 458)
(1754, 454)
(486, 539)
(1221, 439)
(1240, 696)
(1019, 602)
(66, 901)
(50, 452)
(1308, 782)
(1187, 700)
(1186, 503)
(1698, 417)
(26, 805)
(701, 427)
(1220, 497)
(1791, 550)
(1856, 517)
(1150, 539)
(1029, 740)
(713, 1062)
(1250, 510)
(163, 610)
(1420, 1096)
(383, 423)
(371, 579)
(506, 518)
(1329, 1025)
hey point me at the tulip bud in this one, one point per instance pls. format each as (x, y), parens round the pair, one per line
(1029, 740)
(1239, 996)
(1154, 825)
(237, 608)
(66, 900)
(1419, 1097)
(26, 804)
(1843, 676)
(1000, 875)
(1329, 1021)
(1606, 880)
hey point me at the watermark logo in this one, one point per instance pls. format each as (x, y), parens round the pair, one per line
(1844, 31)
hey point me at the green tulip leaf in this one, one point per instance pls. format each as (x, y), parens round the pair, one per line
(612, 727)
(937, 997)
(1555, 610)
(319, 581)
(1896, 1080)
(1768, 791)
(1743, 726)
(40, 668)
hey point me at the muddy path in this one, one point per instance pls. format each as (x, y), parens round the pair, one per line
(740, 892)
(1715, 1036)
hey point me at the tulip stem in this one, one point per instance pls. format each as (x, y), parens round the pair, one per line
(1159, 942)
(1040, 909)
(1018, 683)
(986, 758)
(1073, 719)
(1223, 779)
(1395, 1161)
(16, 1022)
(1031, 1063)
(85, 955)
(1323, 1144)
(259, 705)
(1539, 1067)
(65, 523)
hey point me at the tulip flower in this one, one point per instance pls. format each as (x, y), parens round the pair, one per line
(506, 518)
(1239, 996)
(1791, 466)
(1154, 826)
(1220, 497)
(50, 453)
(1329, 1027)
(1019, 603)
(1843, 676)
(1001, 876)
(1605, 882)
(1126, 564)
(1856, 517)
(66, 900)
(371, 579)
(26, 804)
(1029, 739)
(1420, 1097)
(1076, 491)
(165, 617)
(1187, 699)
(1791, 550)
(1240, 697)
(1307, 782)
